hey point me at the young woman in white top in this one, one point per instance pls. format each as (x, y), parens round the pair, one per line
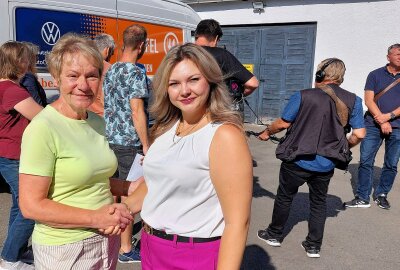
(196, 198)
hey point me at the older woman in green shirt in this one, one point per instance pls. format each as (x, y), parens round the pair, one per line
(65, 168)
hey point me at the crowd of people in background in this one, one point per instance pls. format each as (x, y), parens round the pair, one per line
(67, 162)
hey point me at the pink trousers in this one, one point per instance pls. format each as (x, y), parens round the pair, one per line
(161, 254)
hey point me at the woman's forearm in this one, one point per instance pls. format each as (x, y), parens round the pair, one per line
(135, 200)
(59, 215)
(34, 204)
(233, 243)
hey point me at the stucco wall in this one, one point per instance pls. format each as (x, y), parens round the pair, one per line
(358, 32)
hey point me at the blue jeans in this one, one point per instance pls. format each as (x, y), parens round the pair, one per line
(369, 147)
(19, 228)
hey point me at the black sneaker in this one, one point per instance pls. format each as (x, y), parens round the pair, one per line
(263, 235)
(357, 203)
(382, 202)
(312, 252)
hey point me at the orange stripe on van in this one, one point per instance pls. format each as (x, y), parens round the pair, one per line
(159, 39)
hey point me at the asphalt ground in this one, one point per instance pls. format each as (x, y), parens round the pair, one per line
(354, 238)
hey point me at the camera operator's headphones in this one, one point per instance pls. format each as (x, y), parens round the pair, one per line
(320, 74)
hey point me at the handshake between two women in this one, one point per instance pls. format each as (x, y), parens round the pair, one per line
(118, 215)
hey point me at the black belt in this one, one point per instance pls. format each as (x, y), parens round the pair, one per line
(183, 239)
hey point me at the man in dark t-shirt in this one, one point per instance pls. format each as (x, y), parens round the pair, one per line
(383, 124)
(240, 81)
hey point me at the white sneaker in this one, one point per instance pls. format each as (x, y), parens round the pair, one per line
(4, 265)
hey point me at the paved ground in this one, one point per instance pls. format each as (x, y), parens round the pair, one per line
(354, 238)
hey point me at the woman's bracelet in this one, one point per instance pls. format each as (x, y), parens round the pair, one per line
(127, 207)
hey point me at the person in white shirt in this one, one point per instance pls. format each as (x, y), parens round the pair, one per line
(197, 193)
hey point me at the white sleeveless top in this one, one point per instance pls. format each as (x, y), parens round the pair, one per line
(181, 198)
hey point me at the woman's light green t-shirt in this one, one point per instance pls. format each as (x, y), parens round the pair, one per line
(76, 155)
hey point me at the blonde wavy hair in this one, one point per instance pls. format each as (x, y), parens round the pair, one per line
(218, 103)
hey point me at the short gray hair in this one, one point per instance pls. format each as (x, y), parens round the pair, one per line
(394, 46)
(104, 41)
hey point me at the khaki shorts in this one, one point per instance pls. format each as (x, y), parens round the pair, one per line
(96, 252)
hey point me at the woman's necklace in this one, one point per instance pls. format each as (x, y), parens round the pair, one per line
(186, 131)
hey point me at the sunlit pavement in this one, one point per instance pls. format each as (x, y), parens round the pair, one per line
(354, 238)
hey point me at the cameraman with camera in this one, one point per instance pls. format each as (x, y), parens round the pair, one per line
(240, 81)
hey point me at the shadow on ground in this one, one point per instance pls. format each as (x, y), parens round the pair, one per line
(256, 258)
(300, 210)
(259, 191)
(353, 170)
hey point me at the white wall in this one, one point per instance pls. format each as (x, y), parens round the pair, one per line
(358, 32)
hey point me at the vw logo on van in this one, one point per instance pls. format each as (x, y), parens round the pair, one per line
(170, 41)
(50, 33)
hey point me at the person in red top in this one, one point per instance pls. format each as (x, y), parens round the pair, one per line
(17, 108)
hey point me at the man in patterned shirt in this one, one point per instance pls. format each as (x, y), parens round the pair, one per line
(125, 91)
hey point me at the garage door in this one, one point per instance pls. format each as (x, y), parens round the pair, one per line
(282, 58)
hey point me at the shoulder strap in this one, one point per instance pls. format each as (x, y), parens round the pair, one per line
(390, 86)
(341, 109)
